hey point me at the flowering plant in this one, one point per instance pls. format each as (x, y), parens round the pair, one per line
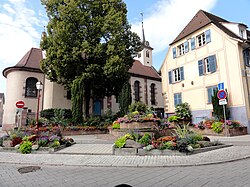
(137, 117)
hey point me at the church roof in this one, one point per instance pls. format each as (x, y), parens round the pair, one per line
(202, 19)
(139, 70)
(29, 62)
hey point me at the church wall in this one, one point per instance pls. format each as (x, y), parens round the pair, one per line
(15, 90)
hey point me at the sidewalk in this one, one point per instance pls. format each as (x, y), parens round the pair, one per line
(96, 150)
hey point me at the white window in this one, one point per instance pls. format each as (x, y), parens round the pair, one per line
(201, 39)
(177, 75)
(207, 65)
(181, 49)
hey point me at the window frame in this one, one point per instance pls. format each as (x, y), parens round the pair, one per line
(137, 90)
(209, 96)
(152, 92)
(177, 99)
(32, 86)
(206, 65)
(181, 49)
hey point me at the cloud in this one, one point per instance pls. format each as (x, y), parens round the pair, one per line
(21, 29)
(167, 18)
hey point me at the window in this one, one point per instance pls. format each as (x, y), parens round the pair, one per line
(137, 90)
(139, 55)
(207, 65)
(246, 57)
(177, 99)
(152, 90)
(203, 38)
(181, 49)
(68, 94)
(210, 93)
(30, 89)
(174, 52)
(147, 54)
(176, 75)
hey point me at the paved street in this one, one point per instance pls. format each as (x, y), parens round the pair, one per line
(227, 174)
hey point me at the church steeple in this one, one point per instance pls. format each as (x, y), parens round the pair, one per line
(145, 56)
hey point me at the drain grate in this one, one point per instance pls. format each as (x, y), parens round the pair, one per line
(28, 169)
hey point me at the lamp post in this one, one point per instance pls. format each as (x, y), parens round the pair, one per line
(39, 87)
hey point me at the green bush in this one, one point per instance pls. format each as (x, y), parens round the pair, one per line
(26, 146)
(145, 139)
(120, 142)
(183, 111)
(116, 126)
(54, 112)
(138, 106)
(173, 118)
(194, 137)
(217, 126)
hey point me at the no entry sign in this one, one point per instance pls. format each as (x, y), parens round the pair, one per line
(20, 104)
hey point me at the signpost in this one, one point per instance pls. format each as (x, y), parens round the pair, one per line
(20, 104)
(222, 95)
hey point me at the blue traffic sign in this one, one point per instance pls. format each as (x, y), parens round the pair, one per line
(221, 86)
(222, 94)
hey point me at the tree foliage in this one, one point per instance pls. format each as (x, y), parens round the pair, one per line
(90, 39)
(125, 98)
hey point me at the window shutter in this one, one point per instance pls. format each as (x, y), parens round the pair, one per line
(170, 77)
(186, 46)
(180, 98)
(208, 36)
(182, 73)
(212, 63)
(192, 43)
(174, 52)
(201, 67)
(175, 99)
(209, 94)
(246, 57)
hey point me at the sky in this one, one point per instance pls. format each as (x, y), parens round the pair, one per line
(22, 22)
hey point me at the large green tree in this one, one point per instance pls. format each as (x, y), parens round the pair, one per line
(91, 41)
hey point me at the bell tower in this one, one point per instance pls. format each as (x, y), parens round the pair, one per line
(145, 55)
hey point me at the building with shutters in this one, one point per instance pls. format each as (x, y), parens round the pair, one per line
(208, 51)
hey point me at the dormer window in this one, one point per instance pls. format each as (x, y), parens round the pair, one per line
(242, 33)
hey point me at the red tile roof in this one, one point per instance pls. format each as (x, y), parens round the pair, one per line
(200, 20)
(138, 69)
(30, 62)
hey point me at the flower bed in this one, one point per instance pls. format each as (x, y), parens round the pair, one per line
(218, 128)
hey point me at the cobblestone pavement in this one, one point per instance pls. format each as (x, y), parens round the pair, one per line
(216, 156)
(220, 175)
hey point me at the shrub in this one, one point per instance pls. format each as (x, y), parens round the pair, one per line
(138, 106)
(183, 111)
(120, 142)
(116, 126)
(145, 139)
(217, 126)
(26, 146)
(173, 118)
(181, 132)
(52, 112)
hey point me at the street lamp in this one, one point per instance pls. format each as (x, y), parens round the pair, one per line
(39, 87)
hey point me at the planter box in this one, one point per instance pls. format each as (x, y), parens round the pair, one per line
(40, 150)
(166, 152)
(238, 131)
(83, 132)
(138, 125)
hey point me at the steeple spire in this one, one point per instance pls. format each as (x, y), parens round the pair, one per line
(143, 35)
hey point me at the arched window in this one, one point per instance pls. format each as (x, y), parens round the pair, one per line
(137, 90)
(147, 54)
(30, 89)
(152, 91)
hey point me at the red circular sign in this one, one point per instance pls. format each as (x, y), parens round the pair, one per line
(20, 104)
(222, 94)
